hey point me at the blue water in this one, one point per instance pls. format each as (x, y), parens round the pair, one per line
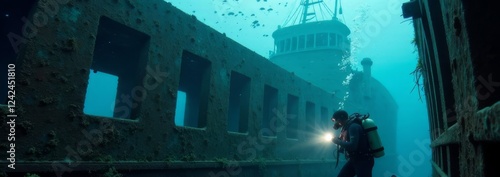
(101, 94)
(180, 108)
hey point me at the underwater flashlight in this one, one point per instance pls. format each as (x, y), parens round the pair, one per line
(328, 137)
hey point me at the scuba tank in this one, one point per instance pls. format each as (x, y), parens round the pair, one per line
(376, 148)
(370, 130)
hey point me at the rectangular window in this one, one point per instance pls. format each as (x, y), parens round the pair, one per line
(333, 39)
(270, 104)
(116, 71)
(287, 45)
(195, 83)
(180, 108)
(101, 94)
(340, 41)
(453, 151)
(491, 155)
(239, 100)
(294, 43)
(302, 42)
(292, 117)
(281, 44)
(321, 39)
(310, 41)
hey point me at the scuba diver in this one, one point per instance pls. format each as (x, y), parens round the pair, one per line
(355, 143)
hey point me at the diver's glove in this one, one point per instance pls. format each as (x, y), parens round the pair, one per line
(336, 140)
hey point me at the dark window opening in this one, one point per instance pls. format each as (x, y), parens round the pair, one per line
(454, 169)
(281, 44)
(310, 41)
(239, 101)
(302, 42)
(118, 68)
(321, 39)
(340, 41)
(194, 83)
(490, 158)
(270, 105)
(101, 95)
(287, 45)
(294, 43)
(292, 117)
(310, 118)
(333, 39)
(180, 108)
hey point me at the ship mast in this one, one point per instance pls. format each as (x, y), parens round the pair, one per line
(306, 13)
(304, 16)
(309, 10)
(335, 10)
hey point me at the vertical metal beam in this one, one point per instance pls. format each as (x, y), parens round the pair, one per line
(335, 10)
(306, 6)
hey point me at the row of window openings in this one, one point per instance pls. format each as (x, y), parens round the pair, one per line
(118, 92)
(102, 91)
(309, 41)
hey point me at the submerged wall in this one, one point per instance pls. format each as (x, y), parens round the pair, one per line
(241, 111)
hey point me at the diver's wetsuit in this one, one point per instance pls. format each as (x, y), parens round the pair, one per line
(360, 161)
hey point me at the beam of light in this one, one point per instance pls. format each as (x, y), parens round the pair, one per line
(327, 137)
(315, 142)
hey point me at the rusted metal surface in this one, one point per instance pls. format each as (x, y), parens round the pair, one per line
(487, 124)
(475, 114)
(450, 136)
(53, 74)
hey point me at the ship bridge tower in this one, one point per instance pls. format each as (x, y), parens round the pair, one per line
(312, 44)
